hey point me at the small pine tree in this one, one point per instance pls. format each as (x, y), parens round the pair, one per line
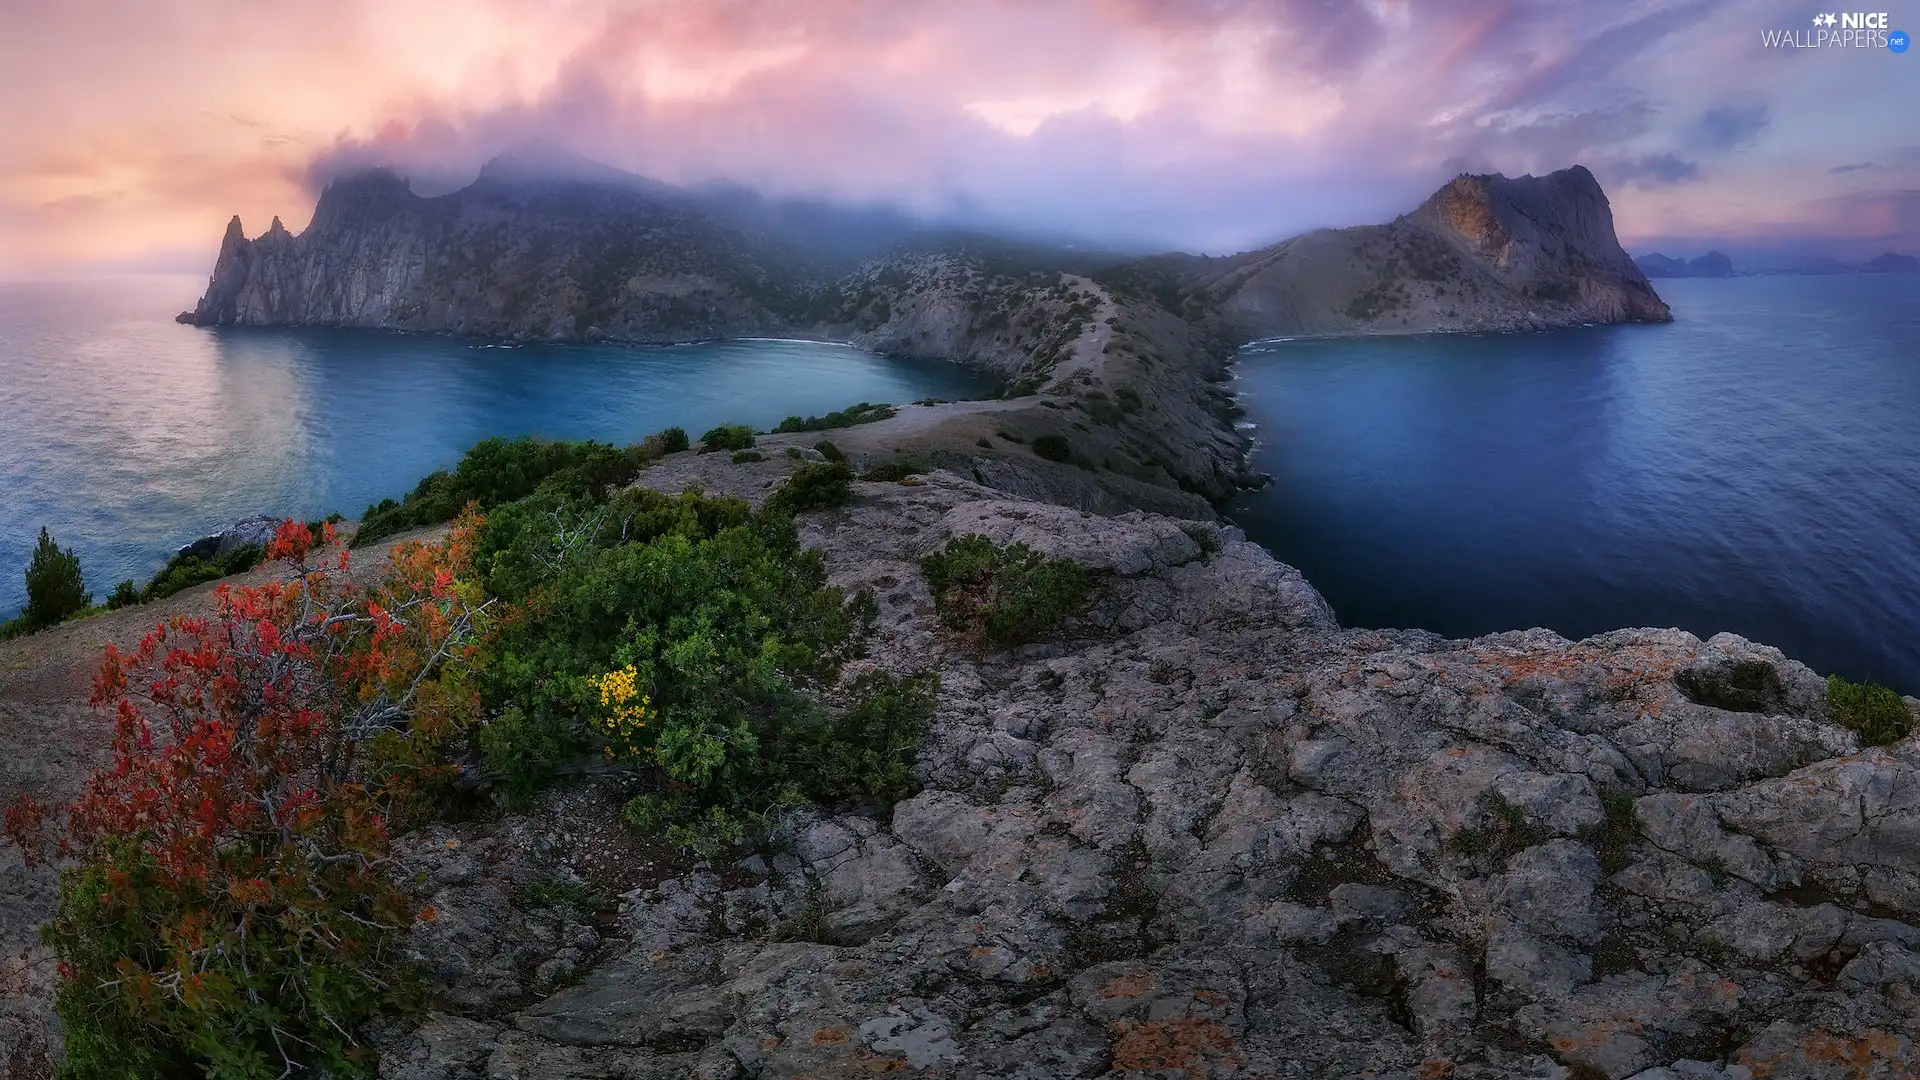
(54, 586)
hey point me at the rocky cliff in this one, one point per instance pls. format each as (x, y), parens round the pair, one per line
(1483, 253)
(1209, 832)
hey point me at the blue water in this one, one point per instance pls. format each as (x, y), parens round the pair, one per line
(1752, 467)
(129, 435)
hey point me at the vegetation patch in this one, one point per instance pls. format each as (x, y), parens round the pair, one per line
(1003, 595)
(1053, 447)
(225, 909)
(498, 471)
(56, 589)
(892, 472)
(829, 451)
(1879, 714)
(185, 571)
(814, 487)
(862, 413)
(727, 437)
(742, 457)
(1619, 829)
(1504, 831)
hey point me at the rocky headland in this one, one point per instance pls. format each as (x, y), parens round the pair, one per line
(1203, 831)
(1124, 357)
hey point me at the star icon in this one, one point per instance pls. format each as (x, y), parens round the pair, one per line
(1831, 20)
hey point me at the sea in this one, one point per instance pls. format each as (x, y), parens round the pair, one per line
(1752, 467)
(128, 435)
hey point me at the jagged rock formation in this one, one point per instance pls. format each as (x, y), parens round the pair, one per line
(1712, 264)
(1211, 833)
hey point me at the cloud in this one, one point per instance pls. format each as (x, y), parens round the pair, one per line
(1731, 126)
(1652, 170)
(1857, 167)
(1195, 123)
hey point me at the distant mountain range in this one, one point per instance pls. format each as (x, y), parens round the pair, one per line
(1717, 264)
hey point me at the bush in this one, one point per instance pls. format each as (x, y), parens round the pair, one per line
(1052, 447)
(671, 441)
(984, 442)
(55, 588)
(829, 451)
(742, 457)
(727, 437)
(125, 594)
(1876, 712)
(893, 472)
(1002, 595)
(183, 572)
(498, 471)
(814, 487)
(226, 912)
(795, 453)
(863, 413)
(692, 644)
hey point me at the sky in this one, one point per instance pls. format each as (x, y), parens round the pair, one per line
(131, 130)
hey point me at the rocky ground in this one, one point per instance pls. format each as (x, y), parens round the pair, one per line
(1210, 833)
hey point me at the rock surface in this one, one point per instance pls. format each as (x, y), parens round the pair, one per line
(1207, 832)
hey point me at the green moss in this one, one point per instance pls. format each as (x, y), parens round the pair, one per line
(1876, 712)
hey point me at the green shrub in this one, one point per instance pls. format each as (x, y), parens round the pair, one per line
(1876, 712)
(1003, 595)
(55, 588)
(727, 437)
(498, 471)
(829, 451)
(1052, 447)
(670, 441)
(814, 487)
(892, 472)
(1009, 436)
(742, 457)
(184, 571)
(863, 413)
(125, 594)
(796, 454)
(984, 442)
(715, 611)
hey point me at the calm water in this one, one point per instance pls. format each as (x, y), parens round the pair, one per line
(1752, 467)
(129, 435)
